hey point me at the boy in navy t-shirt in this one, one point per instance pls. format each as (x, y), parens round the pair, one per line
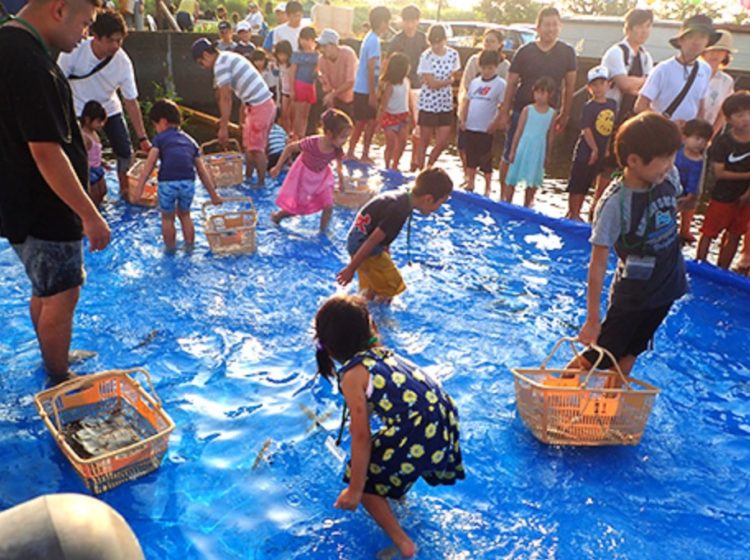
(597, 124)
(180, 159)
(690, 163)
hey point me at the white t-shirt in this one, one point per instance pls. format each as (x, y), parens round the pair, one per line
(614, 61)
(285, 33)
(441, 67)
(102, 86)
(667, 80)
(484, 98)
(398, 103)
(720, 87)
(255, 20)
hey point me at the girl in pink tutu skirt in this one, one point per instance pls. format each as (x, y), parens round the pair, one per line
(308, 187)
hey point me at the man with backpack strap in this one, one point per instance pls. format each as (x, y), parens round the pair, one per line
(677, 86)
(96, 69)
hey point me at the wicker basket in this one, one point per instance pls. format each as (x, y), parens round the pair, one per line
(231, 232)
(149, 197)
(225, 167)
(579, 407)
(354, 193)
(101, 394)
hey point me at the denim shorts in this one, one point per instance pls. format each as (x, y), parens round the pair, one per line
(176, 193)
(52, 266)
(119, 139)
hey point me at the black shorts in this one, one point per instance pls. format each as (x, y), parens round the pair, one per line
(363, 111)
(347, 108)
(435, 119)
(582, 176)
(627, 333)
(119, 139)
(478, 150)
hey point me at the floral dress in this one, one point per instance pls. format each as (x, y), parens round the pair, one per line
(420, 432)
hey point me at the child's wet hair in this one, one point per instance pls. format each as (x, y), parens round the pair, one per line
(335, 122)
(342, 328)
(699, 128)
(165, 109)
(648, 136)
(283, 47)
(397, 68)
(433, 181)
(92, 111)
(545, 83)
(736, 103)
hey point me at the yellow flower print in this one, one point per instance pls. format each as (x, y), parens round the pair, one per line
(391, 361)
(410, 396)
(390, 432)
(418, 375)
(382, 489)
(398, 378)
(375, 469)
(396, 481)
(416, 451)
(407, 468)
(437, 456)
(368, 362)
(452, 418)
(417, 420)
(388, 454)
(431, 397)
(378, 381)
(403, 441)
(430, 431)
(385, 404)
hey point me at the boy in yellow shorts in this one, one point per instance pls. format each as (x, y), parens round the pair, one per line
(378, 223)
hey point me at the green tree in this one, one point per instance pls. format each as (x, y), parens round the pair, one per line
(679, 10)
(509, 11)
(599, 7)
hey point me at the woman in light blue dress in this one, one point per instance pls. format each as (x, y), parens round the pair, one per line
(531, 144)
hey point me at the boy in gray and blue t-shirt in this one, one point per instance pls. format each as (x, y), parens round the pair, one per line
(637, 216)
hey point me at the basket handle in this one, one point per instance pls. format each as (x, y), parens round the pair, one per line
(231, 142)
(246, 199)
(601, 353)
(84, 380)
(140, 154)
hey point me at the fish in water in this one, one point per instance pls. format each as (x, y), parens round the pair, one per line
(317, 421)
(262, 453)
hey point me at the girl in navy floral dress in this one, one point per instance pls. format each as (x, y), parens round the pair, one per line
(419, 436)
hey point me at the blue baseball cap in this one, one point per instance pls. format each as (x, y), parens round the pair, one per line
(200, 46)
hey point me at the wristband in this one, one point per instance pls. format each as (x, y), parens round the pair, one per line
(142, 138)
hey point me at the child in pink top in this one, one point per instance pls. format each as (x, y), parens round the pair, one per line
(308, 187)
(93, 119)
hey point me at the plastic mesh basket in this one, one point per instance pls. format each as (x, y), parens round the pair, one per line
(226, 167)
(231, 232)
(583, 407)
(101, 394)
(354, 193)
(149, 197)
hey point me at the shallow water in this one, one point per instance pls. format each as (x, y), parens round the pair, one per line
(247, 475)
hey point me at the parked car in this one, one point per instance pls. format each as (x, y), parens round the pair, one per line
(469, 33)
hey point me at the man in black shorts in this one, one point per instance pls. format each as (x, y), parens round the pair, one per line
(44, 208)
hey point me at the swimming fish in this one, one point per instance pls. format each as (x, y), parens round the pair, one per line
(98, 435)
(317, 421)
(262, 453)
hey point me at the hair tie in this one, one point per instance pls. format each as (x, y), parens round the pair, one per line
(372, 340)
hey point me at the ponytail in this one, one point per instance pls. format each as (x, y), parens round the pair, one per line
(326, 367)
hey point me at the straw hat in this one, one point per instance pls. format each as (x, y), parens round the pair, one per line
(700, 23)
(724, 43)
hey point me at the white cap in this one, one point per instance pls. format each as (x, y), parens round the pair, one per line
(328, 37)
(243, 26)
(280, 7)
(597, 73)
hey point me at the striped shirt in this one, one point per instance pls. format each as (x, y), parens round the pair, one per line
(276, 140)
(234, 70)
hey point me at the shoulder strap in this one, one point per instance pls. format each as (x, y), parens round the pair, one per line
(677, 101)
(625, 54)
(93, 71)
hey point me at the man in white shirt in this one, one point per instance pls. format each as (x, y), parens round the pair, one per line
(678, 85)
(628, 62)
(96, 70)
(290, 30)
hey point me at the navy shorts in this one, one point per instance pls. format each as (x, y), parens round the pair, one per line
(627, 332)
(363, 111)
(119, 138)
(514, 118)
(582, 176)
(52, 266)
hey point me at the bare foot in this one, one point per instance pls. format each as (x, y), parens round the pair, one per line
(367, 160)
(276, 217)
(351, 157)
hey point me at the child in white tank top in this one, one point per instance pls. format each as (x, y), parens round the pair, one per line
(395, 111)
